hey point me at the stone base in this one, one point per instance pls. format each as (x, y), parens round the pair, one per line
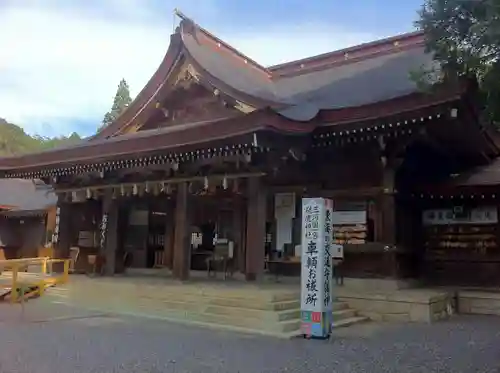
(371, 284)
(153, 272)
(479, 302)
(262, 308)
(410, 305)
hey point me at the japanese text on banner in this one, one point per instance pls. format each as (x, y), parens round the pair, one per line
(312, 231)
(327, 261)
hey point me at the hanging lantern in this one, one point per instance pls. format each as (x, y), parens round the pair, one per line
(205, 183)
(146, 187)
(224, 183)
(88, 193)
(135, 190)
(122, 190)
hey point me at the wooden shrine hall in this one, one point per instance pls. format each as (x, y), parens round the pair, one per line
(210, 161)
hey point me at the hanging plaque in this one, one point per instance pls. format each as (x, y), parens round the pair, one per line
(55, 235)
(104, 231)
(316, 274)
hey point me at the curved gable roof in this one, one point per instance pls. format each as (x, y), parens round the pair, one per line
(352, 77)
(145, 98)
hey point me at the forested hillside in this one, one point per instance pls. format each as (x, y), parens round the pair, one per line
(13, 140)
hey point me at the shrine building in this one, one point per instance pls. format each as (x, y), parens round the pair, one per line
(210, 161)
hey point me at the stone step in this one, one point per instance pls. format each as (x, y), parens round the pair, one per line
(249, 323)
(236, 297)
(264, 303)
(262, 316)
(340, 311)
(188, 292)
(279, 312)
(237, 313)
(197, 304)
(282, 312)
(349, 321)
(205, 304)
(267, 323)
(255, 304)
(282, 315)
(343, 314)
(279, 321)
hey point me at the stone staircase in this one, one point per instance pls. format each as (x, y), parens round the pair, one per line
(275, 313)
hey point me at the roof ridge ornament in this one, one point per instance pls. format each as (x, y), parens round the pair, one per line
(189, 26)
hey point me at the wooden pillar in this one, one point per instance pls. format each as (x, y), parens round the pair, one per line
(386, 228)
(168, 248)
(388, 219)
(255, 230)
(109, 233)
(182, 251)
(238, 229)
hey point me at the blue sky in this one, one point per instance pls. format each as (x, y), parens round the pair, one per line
(61, 61)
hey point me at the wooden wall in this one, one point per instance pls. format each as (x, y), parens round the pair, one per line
(22, 240)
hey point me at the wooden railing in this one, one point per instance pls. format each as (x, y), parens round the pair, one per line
(15, 266)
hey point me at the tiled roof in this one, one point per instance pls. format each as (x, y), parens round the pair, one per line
(25, 195)
(353, 81)
(352, 77)
(488, 175)
(174, 138)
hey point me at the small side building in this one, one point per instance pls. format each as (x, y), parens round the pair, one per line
(460, 233)
(28, 211)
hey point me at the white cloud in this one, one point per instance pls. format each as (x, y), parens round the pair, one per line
(61, 67)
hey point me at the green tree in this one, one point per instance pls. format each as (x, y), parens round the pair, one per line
(464, 36)
(14, 141)
(121, 101)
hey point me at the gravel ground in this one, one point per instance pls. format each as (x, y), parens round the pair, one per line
(80, 341)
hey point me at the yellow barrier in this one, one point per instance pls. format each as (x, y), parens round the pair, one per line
(18, 265)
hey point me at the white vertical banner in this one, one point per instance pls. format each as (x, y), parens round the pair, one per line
(55, 234)
(316, 274)
(328, 257)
